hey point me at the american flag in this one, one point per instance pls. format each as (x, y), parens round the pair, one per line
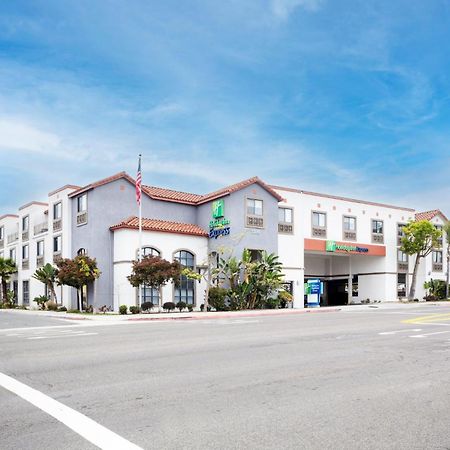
(139, 183)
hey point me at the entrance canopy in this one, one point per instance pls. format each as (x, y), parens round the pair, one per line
(336, 247)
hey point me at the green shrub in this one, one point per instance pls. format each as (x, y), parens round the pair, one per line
(169, 306)
(217, 298)
(181, 305)
(135, 309)
(123, 309)
(62, 309)
(146, 306)
(41, 300)
(73, 311)
(51, 305)
(202, 307)
(272, 303)
(284, 297)
(190, 307)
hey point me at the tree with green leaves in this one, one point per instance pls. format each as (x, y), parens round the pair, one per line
(420, 238)
(446, 232)
(48, 275)
(154, 271)
(7, 268)
(77, 272)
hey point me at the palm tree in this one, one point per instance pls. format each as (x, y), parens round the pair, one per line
(47, 275)
(7, 268)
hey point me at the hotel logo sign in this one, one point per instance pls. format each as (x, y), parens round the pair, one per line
(219, 226)
(333, 246)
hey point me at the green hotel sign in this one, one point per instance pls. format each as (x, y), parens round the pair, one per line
(219, 226)
(333, 246)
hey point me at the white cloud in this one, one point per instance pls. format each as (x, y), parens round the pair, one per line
(284, 8)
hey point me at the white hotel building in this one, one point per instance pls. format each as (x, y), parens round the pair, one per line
(351, 245)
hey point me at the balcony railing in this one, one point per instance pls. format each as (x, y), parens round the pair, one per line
(285, 228)
(402, 266)
(40, 228)
(82, 218)
(56, 256)
(377, 238)
(319, 232)
(25, 235)
(39, 261)
(57, 225)
(255, 221)
(349, 236)
(437, 267)
(13, 237)
(25, 264)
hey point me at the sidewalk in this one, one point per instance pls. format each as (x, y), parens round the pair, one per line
(196, 315)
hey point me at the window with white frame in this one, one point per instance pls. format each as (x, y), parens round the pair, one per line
(148, 293)
(185, 288)
(377, 231)
(39, 249)
(319, 219)
(25, 292)
(57, 244)
(2, 233)
(25, 223)
(254, 207)
(12, 254)
(437, 257)
(349, 223)
(57, 211)
(402, 256)
(25, 251)
(82, 203)
(285, 220)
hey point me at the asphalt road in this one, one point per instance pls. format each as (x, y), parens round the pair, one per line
(312, 381)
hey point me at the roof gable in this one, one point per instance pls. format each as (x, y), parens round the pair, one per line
(428, 215)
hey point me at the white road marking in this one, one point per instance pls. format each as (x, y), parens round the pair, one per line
(428, 334)
(58, 336)
(87, 428)
(385, 333)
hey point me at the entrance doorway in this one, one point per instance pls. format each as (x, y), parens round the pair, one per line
(337, 293)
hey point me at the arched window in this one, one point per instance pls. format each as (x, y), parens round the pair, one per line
(149, 294)
(81, 252)
(185, 291)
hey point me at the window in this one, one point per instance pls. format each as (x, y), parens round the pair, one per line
(57, 210)
(255, 255)
(39, 248)
(25, 223)
(149, 294)
(437, 257)
(2, 233)
(185, 290)
(400, 233)
(319, 219)
(12, 254)
(377, 226)
(57, 244)
(25, 292)
(82, 203)
(401, 285)
(81, 252)
(349, 223)
(254, 207)
(146, 251)
(402, 256)
(25, 251)
(285, 220)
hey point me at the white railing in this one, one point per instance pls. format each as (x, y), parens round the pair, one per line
(13, 237)
(40, 228)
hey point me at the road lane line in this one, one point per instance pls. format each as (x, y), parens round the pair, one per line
(385, 333)
(84, 426)
(58, 336)
(429, 334)
(430, 318)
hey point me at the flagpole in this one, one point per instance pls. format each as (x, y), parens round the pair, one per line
(140, 231)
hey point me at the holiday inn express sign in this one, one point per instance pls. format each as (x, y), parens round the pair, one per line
(351, 248)
(219, 226)
(333, 246)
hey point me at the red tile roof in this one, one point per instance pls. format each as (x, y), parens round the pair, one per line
(238, 186)
(428, 215)
(162, 226)
(107, 180)
(158, 193)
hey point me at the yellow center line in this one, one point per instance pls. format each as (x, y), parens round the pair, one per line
(430, 318)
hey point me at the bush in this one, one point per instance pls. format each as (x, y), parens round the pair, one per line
(62, 309)
(272, 303)
(217, 298)
(41, 300)
(51, 305)
(190, 307)
(146, 306)
(284, 297)
(135, 309)
(73, 311)
(181, 305)
(431, 298)
(123, 309)
(169, 306)
(202, 307)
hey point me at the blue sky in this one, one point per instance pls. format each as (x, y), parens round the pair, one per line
(336, 96)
